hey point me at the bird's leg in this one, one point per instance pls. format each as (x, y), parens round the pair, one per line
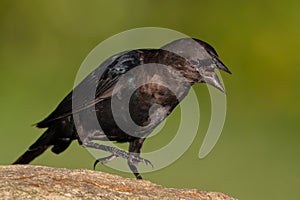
(115, 153)
(134, 151)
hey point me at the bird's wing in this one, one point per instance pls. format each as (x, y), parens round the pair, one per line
(96, 87)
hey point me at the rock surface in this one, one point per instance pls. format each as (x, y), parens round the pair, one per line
(37, 182)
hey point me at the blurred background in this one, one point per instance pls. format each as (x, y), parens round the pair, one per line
(43, 43)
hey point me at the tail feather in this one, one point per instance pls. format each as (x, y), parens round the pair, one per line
(61, 145)
(58, 135)
(37, 148)
(30, 154)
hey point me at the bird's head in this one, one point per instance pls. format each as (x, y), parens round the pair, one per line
(202, 57)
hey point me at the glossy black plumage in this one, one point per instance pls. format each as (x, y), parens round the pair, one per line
(156, 91)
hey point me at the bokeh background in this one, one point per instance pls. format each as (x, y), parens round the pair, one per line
(43, 43)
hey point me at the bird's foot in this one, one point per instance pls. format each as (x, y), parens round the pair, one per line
(136, 159)
(104, 160)
(132, 158)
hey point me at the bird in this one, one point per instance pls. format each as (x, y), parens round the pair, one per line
(125, 98)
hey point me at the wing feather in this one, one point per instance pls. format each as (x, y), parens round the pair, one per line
(96, 87)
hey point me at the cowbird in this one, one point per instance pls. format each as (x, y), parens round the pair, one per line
(125, 98)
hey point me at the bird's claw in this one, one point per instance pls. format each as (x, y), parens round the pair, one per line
(104, 160)
(137, 159)
(133, 159)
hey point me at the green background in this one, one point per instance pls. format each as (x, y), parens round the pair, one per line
(42, 44)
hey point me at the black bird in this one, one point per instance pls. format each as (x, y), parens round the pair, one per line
(126, 97)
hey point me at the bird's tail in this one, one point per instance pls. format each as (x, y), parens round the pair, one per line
(36, 148)
(46, 140)
(29, 155)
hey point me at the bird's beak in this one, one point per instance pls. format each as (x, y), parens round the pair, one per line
(212, 79)
(221, 65)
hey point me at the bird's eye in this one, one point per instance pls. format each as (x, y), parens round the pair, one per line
(121, 70)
